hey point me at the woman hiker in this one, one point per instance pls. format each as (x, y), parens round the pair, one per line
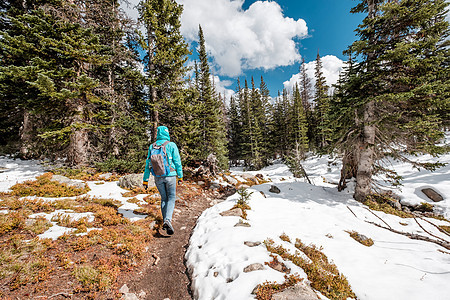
(163, 161)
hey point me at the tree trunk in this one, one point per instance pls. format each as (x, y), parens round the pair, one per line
(366, 155)
(79, 142)
(26, 136)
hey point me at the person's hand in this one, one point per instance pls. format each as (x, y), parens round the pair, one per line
(145, 185)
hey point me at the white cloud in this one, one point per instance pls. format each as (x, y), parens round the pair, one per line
(331, 66)
(222, 87)
(237, 39)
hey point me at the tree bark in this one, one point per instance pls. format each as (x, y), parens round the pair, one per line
(366, 148)
(79, 142)
(26, 135)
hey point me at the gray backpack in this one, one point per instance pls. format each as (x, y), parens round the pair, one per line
(159, 160)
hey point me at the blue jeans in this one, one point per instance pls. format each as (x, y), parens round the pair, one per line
(167, 187)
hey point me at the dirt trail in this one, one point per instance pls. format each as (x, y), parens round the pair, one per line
(169, 278)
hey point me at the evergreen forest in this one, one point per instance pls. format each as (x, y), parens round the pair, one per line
(83, 83)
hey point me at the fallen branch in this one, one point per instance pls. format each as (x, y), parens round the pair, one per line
(378, 217)
(413, 236)
(428, 231)
(157, 259)
(439, 228)
(352, 211)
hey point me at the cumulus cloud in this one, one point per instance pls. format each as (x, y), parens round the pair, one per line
(222, 87)
(331, 66)
(237, 39)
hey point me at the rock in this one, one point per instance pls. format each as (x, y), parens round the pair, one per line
(201, 183)
(252, 244)
(235, 212)
(395, 204)
(432, 194)
(142, 294)
(300, 291)
(274, 189)
(69, 182)
(135, 181)
(105, 176)
(253, 267)
(124, 289)
(230, 179)
(129, 296)
(242, 224)
(214, 186)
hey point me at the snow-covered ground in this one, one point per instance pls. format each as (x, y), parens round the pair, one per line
(17, 171)
(395, 267)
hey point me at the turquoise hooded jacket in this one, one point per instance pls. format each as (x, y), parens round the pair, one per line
(173, 154)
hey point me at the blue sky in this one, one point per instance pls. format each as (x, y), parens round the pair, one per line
(268, 38)
(238, 35)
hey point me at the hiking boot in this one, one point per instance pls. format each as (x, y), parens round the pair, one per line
(168, 227)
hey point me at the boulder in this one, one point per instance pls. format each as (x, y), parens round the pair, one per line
(251, 244)
(300, 291)
(253, 267)
(242, 224)
(69, 182)
(274, 189)
(235, 212)
(230, 179)
(214, 186)
(131, 181)
(432, 194)
(105, 176)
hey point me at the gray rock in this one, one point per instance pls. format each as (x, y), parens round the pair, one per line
(242, 224)
(432, 194)
(124, 289)
(251, 244)
(300, 291)
(214, 186)
(235, 212)
(274, 189)
(105, 176)
(395, 204)
(253, 267)
(129, 296)
(135, 180)
(69, 182)
(230, 179)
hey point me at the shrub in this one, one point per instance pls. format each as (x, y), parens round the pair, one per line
(360, 238)
(242, 202)
(324, 276)
(267, 289)
(44, 187)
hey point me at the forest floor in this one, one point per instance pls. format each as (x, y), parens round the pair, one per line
(164, 274)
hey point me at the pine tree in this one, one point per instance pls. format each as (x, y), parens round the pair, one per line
(299, 126)
(322, 106)
(212, 126)
(395, 97)
(166, 55)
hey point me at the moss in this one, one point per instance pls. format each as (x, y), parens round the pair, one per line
(386, 208)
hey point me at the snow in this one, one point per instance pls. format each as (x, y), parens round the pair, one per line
(395, 267)
(17, 171)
